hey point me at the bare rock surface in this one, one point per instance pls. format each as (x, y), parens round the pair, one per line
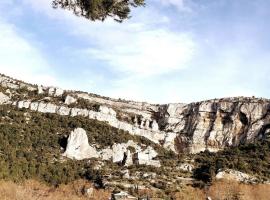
(78, 147)
(230, 174)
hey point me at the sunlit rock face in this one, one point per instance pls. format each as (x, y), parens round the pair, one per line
(215, 124)
(208, 125)
(78, 147)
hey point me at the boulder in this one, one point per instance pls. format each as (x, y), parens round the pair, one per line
(230, 174)
(122, 196)
(186, 167)
(146, 157)
(4, 98)
(69, 100)
(78, 147)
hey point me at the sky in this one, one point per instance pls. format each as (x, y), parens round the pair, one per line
(170, 51)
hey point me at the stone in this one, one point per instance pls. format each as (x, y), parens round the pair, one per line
(186, 167)
(4, 98)
(24, 104)
(47, 107)
(118, 151)
(88, 192)
(230, 174)
(78, 147)
(70, 100)
(40, 90)
(51, 91)
(63, 110)
(122, 196)
(146, 157)
(58, 92)
(107, 110)
(125, 174)
(34, 106)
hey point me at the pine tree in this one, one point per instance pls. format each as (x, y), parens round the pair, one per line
(93, 10)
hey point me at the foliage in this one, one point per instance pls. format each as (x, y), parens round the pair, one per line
(253, 158)
(31, 148)
(99, 9)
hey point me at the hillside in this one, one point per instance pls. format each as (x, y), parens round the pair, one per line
(60, 136)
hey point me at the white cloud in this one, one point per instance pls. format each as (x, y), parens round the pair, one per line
(181, 5)
(19, 59)
(137, 46)
(146, 52)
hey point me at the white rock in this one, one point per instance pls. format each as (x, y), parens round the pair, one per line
(24, 104)
(107, 110)
(40, 90)
(78, 147)
(47, 108)
(230, 174)
(4, 98)
(58, 92)
(51, 91)
(146, 157)
(34, 106)
(69, 100)
(63, 110)
(186, 167)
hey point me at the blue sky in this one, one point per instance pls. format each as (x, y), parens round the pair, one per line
(169, 51)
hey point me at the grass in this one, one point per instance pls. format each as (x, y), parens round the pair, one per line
(34, 190)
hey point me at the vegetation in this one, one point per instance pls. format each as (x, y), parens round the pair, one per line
(31, 145)
(99, 9)
(253, 158)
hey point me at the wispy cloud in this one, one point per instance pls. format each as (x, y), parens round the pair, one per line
(146, 53)
(20, 59)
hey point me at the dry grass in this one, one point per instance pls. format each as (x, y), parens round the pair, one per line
(220, 190)
(33, 190)
(223, 190)
(190, 193)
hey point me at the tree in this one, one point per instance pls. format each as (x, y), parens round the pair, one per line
(93, 10)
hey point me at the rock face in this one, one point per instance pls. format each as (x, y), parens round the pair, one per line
(4, 98)
(78, 147)
(212, 125)
(236, 176)
(216, 124)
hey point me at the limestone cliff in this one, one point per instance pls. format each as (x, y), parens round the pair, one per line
(194, 127)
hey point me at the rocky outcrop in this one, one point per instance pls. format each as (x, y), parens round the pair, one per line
(234, 175)
(215, 124)
(4, 98)
(78, 148)
(194, 127)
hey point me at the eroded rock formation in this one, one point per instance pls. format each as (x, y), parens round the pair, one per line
(78, 148)
(194, 127)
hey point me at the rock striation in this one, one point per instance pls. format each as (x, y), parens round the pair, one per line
(78, 148)
(208, 125)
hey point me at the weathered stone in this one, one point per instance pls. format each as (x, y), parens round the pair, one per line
(63, 110)
(69, 100)
(4, 98)
(186, 167)
(40, 90)
(24, 104)
(230, 174)
(78, 147)
(146, 157)
(122, 196)
(47, 107)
